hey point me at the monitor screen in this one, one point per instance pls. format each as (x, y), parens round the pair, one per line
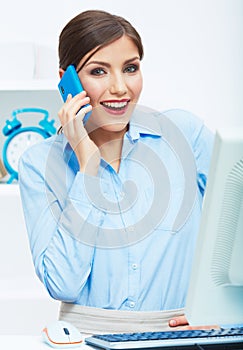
(215, 293)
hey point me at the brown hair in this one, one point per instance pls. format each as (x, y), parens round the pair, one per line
(93, 29)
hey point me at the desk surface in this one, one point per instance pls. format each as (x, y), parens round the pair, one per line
(25, 342)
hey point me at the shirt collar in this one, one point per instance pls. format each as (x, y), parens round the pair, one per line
(144, 121)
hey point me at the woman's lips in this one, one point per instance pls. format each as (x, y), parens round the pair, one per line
(116, 107)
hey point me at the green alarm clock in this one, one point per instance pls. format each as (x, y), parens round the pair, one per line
(20, 138)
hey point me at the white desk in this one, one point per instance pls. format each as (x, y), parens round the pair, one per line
(25, 342)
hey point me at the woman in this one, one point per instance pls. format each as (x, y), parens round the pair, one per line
(112, 207)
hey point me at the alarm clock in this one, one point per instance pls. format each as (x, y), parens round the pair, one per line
(20, 138)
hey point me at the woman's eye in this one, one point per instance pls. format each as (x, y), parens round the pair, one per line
(131, 68)
(97, 71)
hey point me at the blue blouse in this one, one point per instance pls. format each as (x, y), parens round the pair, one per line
(119, 240)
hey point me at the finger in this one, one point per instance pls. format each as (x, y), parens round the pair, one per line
(73, 104)
(69, 111)
(74, 128)
(63, 110)
(72, 101)
(78, 124)
(181, 323)
(69, 97)
(178, 321)
(203, 327)
(84, 110)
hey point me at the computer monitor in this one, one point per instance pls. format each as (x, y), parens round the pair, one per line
(215, 293)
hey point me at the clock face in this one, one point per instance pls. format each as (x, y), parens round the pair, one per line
(19, 143)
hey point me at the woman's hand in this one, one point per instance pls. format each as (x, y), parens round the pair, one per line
(87, 152)
(182, 323)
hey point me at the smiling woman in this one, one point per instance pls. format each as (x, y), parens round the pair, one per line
(109, 68)
(113, 81)
(112, 207)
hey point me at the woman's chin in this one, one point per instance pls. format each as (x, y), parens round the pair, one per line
(115, 127)
(109, 123)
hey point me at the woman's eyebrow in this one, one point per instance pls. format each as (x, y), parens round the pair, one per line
(108, 65)
(132, 59)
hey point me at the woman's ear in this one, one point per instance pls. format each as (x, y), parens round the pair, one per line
(61, 72)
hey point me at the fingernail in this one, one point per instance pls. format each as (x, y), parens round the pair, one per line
(172, 323)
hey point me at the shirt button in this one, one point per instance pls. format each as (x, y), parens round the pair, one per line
(134, 266)
(131, 228)
(132, 304)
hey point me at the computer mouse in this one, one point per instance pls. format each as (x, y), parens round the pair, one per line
(61, 334)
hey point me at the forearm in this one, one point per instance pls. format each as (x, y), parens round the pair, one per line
(55, 227)
(64, 267)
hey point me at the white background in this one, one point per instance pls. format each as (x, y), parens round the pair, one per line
(193, 48)
(193, 60)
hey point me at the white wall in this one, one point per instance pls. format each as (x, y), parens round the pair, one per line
(193, 48)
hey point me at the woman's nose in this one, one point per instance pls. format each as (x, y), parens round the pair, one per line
(118, 85)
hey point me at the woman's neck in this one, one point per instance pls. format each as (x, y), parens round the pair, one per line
(110, 145)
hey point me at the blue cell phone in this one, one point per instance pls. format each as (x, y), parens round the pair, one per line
(71, 84)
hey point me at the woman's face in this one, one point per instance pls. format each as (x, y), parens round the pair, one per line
(113, 81)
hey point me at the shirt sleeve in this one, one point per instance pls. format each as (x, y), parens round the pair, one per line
(203, 145)
(56, 225)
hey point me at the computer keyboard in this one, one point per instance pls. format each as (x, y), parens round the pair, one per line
(230, 338)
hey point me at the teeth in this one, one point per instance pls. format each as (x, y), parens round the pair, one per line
(115, 104)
